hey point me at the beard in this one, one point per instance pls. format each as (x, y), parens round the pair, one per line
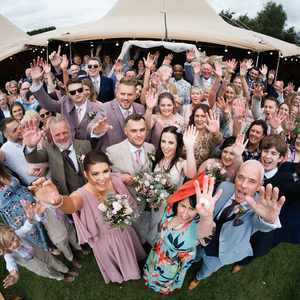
(64, 146)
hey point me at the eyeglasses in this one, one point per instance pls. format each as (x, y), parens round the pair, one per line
(46, 114)
(73, 93)
(93, 66)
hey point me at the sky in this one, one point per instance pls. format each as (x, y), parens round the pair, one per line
(34, 14)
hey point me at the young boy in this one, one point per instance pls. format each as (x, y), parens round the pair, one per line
(18, 251)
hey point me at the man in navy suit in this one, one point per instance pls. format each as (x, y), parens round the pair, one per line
(237, 216)
(104, 86)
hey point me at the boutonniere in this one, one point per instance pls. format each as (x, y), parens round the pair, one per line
(92, 115)
(151, 158)
(239, 212)
(80, 158)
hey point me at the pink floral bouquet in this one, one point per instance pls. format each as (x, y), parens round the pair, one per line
(152, 188)
(117, 211)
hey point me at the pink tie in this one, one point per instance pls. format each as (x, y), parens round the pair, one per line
(138, 157)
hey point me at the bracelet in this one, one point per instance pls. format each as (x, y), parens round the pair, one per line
(59, 204)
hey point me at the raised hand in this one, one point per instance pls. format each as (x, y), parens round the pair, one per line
(249, 64)
(223, 105)
(276, 120)
(213, 123)
(37, 70)
(150, 61)
(263, 70)
(239, 146)
(258, 91)
(47, 68)
(205, 199)
(190, 55)
(101, 126)
(46, 192)
(151, 100)
(168, 59)
(55, 58)
(231, 65)
(290, 88)
(267, 206)
(243, 69)
(64, 62)
(190, 137)
(31, 133)
(197, 68)
(239, 109)
(218, 70)
(11, 279)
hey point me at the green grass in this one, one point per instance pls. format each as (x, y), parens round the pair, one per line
(274, 277)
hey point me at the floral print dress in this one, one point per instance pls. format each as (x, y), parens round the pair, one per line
(172, 255)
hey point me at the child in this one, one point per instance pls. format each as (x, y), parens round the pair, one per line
(18, 251)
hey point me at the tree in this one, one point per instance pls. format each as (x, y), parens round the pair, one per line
(271, 20)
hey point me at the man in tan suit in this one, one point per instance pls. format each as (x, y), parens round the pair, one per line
(132, 156)
(64, 155)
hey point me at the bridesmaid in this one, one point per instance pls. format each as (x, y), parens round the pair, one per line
(116, 250)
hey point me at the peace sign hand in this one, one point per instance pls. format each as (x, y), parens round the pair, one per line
(205, 200)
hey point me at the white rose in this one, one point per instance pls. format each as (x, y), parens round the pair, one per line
(128, 211)
(146, 183)
(117, 206)
(102, 207)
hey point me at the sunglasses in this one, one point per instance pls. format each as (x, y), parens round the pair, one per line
(93, 66)
(46, 114)
(73, 93)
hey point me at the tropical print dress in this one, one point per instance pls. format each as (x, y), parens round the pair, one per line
(172, 255)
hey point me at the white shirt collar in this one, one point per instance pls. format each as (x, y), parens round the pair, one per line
(126, 111)
(271, 173)
(133, 148)
(71, 148)
(82, 106)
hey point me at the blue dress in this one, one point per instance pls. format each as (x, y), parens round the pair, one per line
(172, 255)
(13, 214)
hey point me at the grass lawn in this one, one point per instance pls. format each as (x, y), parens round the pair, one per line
(274, 277)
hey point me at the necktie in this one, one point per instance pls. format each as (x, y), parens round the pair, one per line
(68, 159)
(96, 86)
(138, 158)
(79, 113)
(227, 212)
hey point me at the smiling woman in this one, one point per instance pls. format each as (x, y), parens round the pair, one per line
(116, 250)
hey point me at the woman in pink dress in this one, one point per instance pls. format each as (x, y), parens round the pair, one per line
(116, 250)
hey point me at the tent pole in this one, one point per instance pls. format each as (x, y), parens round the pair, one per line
(257, 59)
(277, 67)
(166, 28)
(47, 52)
(70, 49)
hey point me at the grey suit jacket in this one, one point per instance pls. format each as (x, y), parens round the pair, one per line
(234, 241)
(116, 119)
(66, 107)
(122, 160)
(54, 157)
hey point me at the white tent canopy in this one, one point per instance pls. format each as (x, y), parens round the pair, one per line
(189, 20)
(186, 20)
(12, 40)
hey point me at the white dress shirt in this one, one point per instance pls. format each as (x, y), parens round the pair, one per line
(81, 111)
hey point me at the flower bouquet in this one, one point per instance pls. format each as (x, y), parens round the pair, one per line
(152, 188)
(217, 171)
(117, 211)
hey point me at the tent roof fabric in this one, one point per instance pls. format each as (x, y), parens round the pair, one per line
(188, 20)
(12, 39)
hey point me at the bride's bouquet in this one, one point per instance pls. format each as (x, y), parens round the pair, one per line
(117, 211)
(152, 188)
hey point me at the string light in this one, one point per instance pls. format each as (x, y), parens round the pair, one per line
(249, 52)
(285, 59)
(271, 53)
(226, 50)
(67, 45)
(117, 44)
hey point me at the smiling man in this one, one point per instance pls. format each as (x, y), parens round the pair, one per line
(238, 214)
(110, 130)
(75, 107)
